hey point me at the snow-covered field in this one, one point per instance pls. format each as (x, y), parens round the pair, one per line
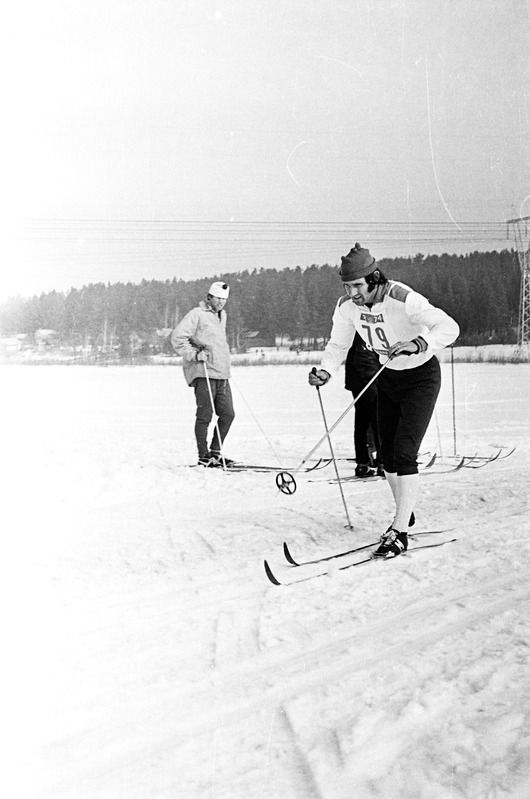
(147, 655)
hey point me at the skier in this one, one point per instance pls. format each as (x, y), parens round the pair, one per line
(200, 337)
(361, 365)
(404, 329)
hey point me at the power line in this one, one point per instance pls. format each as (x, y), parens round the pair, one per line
(138, 232)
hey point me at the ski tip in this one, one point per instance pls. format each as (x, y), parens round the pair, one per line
(269, 574)
(288, 555)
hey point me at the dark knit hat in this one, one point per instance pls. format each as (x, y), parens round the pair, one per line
(358, 263)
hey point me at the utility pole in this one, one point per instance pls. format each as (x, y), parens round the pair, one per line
(519, 228)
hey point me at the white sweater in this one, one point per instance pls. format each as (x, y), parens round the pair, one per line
(397, 314)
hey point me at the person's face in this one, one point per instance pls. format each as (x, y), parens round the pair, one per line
(217, 303)
(358, 291)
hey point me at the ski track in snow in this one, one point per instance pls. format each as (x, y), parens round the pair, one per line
(154, 658)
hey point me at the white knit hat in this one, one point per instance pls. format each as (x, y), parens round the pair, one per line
(220, 290)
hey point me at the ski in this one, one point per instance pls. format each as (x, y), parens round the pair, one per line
(246, 467)
(350, 478)
(323, 462)
(250, 467)
(274, 580)
(478, 461)
(289, 558)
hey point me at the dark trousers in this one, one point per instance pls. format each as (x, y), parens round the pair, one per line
(224, 410)
(365, 419)
(405, 404)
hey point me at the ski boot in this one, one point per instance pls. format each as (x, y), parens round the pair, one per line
(391, 544)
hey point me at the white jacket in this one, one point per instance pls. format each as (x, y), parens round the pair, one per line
(398, 314)
(202, 329)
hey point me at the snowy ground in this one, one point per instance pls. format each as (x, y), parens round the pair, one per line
(148, 657)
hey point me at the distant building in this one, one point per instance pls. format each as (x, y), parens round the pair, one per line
(10, 346)
(44, 338)
(253, 338)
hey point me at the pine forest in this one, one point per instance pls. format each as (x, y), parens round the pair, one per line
(480, 290)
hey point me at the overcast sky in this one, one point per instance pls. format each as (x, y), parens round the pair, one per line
(138, 124)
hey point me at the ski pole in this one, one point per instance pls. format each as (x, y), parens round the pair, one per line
(453, 395)
(215, 415)
(285, 480)
(267, 439)
(438, 433)
(339, 481)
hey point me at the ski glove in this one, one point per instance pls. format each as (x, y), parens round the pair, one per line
(202, 355)
(318, 377)
(408, 347)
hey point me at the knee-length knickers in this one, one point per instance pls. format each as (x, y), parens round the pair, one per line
(406, 400)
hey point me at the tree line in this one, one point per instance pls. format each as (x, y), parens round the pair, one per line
(480, 290)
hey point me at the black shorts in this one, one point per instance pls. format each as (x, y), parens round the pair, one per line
(406, 401)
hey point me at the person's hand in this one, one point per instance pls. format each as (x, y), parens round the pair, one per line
(202, 355)
(403, 348)
(318, 377)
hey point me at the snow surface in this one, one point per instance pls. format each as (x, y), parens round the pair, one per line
(148, 657)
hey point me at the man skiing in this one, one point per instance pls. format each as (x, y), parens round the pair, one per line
(200, 337)
(404, 329)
